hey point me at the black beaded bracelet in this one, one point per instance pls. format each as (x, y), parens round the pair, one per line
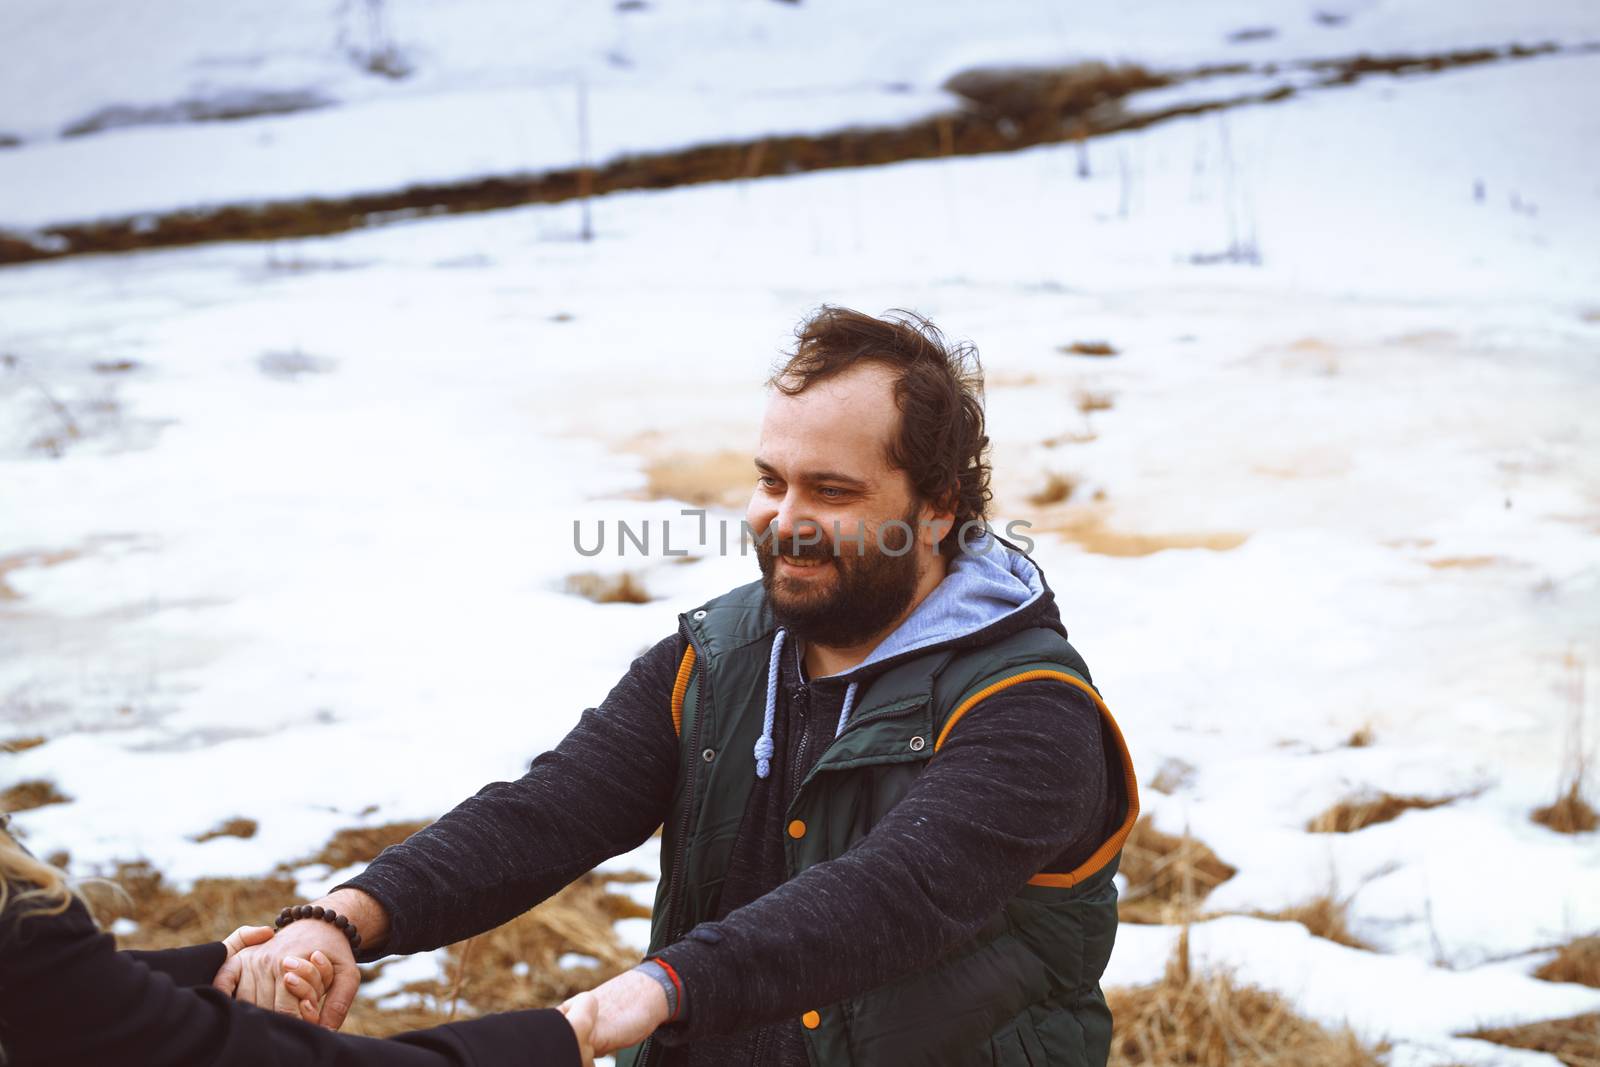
(328, 915)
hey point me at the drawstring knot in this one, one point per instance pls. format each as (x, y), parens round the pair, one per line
(764, 744)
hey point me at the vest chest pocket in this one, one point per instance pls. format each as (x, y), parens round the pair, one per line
(891, 785)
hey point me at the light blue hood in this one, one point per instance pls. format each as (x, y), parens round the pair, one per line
(984, 584)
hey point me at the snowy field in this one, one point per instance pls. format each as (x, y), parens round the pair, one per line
(361, 96)
(301, 556)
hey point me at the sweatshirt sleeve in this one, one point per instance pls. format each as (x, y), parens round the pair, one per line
(600, 792)
(195, 965)
(1021, 781)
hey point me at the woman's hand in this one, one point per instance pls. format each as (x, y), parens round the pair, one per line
(246, 936)
(618, 1013)
(306, 980)
(582, 1011)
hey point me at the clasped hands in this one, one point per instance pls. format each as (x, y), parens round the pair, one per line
(308, 970)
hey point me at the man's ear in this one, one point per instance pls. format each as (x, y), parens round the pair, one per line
(938, 519)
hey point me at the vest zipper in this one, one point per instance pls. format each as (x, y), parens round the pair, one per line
(675, 884)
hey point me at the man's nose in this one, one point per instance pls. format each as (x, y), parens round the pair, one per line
(794, 526)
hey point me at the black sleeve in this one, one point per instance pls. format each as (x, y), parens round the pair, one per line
(195, 965)
(602, 791)
(1020, 782)
(68, 998)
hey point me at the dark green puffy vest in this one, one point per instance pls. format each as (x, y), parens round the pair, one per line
(1025, 988)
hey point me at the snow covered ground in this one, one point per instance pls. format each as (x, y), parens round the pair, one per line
(492, 87)
(307, 554)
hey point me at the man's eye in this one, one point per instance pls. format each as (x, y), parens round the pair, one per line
(766, 481)
(830, 493)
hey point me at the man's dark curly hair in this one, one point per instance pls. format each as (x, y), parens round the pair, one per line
(938, 390)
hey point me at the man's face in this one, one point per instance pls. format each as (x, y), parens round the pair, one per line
(824, 484)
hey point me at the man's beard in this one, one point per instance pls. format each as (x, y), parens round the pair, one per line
(866, 593)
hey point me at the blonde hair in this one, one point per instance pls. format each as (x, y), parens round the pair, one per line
(31, 886)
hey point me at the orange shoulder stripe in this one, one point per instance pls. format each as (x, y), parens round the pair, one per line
(1113, 844)
(680, 686)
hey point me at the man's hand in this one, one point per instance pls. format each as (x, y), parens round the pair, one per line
(260, 974)
(627, 1010)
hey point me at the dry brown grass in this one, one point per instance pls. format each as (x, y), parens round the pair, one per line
(1088, 348)
(1089, 529)
(21, 744)
(1326, 916)
(1168, 877)
(1570, 814)
(1091, 401)
(1173, 775)
(705, 479)
(1209, 1020)
(360, 844)
(1359, 812)
(1466, 563)
(1574, 1041)
(34, 793)
(20, 560)
(1057, 487)
(622, 588)
(1009, 109)
(481, 975)
(236, 827)
(1576, 961)
(1362, 738)
(210, 910)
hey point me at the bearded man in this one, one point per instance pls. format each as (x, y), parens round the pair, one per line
(892, 799)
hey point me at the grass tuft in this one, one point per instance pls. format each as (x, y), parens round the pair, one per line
(1576, 961)
(1326, 916)
(621, 588)
(1190, 1019)
(34, 793)
(1173, 774)
(1087, 348)
(1574, 1041)
(1089, 401)
(1057, 487)
(235, 827)
(1359, 812)
(1570, 814)
(1168, 876)
(1362, 738)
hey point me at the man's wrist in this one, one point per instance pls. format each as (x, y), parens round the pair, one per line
(663, 975)
(370, 920)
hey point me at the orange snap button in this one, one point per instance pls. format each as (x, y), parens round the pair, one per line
(811, 1020)
(797, 829)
